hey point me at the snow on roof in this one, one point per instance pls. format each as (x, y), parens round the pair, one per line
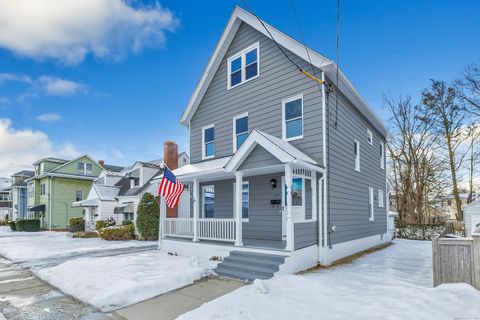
(205, 166)
(106, 192)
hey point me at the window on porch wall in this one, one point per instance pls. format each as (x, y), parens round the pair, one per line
(245, 199)
(208, 209)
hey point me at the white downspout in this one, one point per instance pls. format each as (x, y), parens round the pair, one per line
(324, 155)
(50, 201)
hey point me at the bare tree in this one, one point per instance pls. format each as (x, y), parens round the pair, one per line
(441, 99)
(468, 89)
(416, 169)
(473, 134)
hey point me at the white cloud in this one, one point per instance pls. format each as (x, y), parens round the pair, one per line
(49, 117)
(13, 77)
(59, 87)
(67, 30)
(21, 148)
(117, 153)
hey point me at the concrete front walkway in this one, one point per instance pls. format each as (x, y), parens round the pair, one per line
(170, 305)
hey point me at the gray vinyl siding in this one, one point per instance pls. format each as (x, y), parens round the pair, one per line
(305, 234)
(308, 199)
(259, 157)
(261, 98)
(348, 189)
(265, 222)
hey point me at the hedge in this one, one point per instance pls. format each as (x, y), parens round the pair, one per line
(418, 231)
(118, 233)
(30, 225)
(76, 225)
(12, 225)
(83, 234)
(127, 222)
(100, 224)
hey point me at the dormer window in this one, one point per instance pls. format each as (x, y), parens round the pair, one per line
(243, 66)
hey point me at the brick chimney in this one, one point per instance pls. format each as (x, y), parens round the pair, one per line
(101, 162)
(170, 158)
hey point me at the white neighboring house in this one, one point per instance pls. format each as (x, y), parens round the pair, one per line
(471, 214)
(117, 194)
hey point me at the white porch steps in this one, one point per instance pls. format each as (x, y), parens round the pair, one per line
(249, 265)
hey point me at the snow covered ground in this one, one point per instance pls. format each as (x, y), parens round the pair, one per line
(32, 248)
(110, 283)
(394, 283)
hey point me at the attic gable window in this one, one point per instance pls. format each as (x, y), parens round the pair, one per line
(243, 66)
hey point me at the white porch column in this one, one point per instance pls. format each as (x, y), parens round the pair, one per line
(313, 184)
(289, 223)
(238, 208)
(196, 208)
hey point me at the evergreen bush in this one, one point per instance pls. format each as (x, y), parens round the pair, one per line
(12, 225)
(76, 225)
(100, 224)
(117, 233)
(127, 222)
(147, 217)
(29, 225)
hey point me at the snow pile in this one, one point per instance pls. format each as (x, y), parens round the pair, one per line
(37, 246)
(394, 283)
(110, 283)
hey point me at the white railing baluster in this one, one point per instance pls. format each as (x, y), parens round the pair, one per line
(207, 228)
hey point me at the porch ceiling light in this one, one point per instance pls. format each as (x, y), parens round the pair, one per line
(273, 182)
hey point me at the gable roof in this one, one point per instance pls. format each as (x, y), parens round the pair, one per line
(238, 16)
(282, 150)
(78, 158)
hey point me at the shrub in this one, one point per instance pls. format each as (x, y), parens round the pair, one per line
(110, 222)
(100, 224)
(127, 222)
(118, 233)
(30, 225)
(3, 222)
(76, 225)
(12, 226)
(418, 231)
(83, 234)
(147, 217)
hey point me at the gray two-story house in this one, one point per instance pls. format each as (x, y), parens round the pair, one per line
(287, 169)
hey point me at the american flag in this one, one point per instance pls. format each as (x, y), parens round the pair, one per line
(170, 188)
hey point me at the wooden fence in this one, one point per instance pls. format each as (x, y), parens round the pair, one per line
(456, 260)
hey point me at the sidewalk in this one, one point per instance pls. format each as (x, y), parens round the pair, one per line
(170, 305)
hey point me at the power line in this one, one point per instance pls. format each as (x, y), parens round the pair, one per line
(280, 47)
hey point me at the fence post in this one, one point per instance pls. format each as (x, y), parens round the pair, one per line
(435, 265)
(476, 260)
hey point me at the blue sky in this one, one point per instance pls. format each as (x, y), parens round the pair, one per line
(119, 99)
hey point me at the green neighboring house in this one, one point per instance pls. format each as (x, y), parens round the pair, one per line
(58, 183)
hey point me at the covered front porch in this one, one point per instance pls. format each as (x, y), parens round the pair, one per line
(258, 198)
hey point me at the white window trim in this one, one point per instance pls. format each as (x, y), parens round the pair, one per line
(381, 199)
(370, 204)
(243, 54)
(203, 199)
(369, 137)
(235, 129)
(243, 182)
(382, 156)
(303, 195)
(284, 124)
(357, 157)
(204, 157)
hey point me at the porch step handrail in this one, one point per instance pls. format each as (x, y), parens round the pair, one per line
(217, 229)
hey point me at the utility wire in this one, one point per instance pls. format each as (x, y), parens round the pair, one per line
(280, 47)
(338, 62)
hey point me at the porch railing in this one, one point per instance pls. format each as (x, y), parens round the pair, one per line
(207, 228)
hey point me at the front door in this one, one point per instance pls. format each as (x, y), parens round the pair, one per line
(298, 202)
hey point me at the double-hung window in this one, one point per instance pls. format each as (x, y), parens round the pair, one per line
(208, 145)
(292, 118)
(356, 154)
(243, 66)
(208, 201)
(81, 168)
(89, 169)
(381, 199)
(245, 199)
(382, 155)
(369, 137)
(240, 130)
(370, 204)
(42, 189)
(78, 196)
